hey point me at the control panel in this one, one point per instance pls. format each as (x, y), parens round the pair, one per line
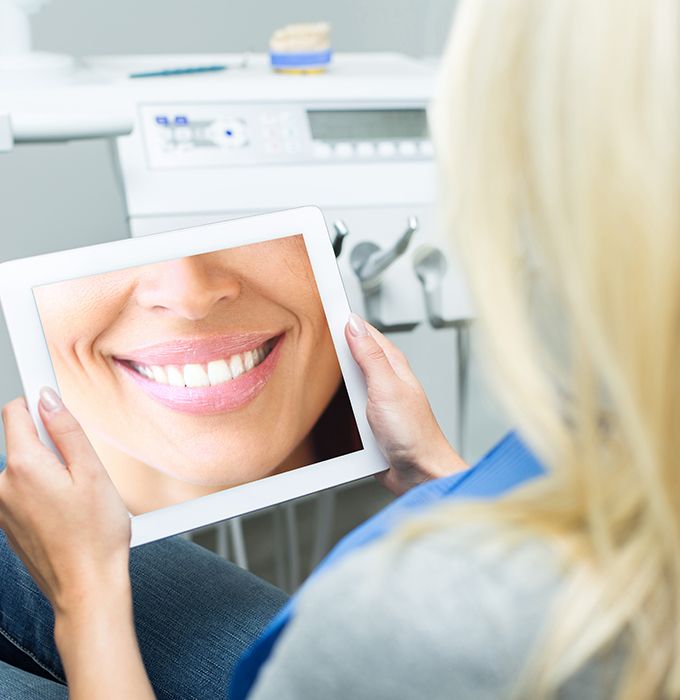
(226, 135)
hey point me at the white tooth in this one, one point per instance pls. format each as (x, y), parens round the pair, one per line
(175, 376)
(158, 374)
(195, 375)
(218, 372)
(248, 360)
(257, 355)
(236, 366)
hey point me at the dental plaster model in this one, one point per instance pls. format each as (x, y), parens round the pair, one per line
(301, 48)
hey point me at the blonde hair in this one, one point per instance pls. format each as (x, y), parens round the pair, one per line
(557, 124)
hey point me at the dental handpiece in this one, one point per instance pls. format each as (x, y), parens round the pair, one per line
(369, 261)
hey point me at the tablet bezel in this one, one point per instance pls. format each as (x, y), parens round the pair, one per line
(19, 277)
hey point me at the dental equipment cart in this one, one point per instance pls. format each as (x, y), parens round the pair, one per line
(212, 146)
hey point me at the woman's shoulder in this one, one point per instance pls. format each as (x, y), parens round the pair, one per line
(435, 576)
(450, 610)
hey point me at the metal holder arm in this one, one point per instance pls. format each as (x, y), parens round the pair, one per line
(341, 232)
(430, 266)
(369, 262)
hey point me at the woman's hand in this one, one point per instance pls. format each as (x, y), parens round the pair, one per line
(399, 413)
(72, 531)
(66, 521)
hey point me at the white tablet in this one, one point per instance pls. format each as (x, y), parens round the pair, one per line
(208, 366)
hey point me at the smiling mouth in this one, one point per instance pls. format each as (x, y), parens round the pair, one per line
(213, 373)
(224, 381)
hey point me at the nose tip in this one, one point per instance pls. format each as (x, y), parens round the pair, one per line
(194, 309)
(189, 288)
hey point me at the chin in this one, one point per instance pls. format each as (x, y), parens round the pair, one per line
(217, 476)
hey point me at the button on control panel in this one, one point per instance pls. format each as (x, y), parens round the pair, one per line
(387, 149)
(366, 149)
(322, 150)
(407, 148)
(344, 150)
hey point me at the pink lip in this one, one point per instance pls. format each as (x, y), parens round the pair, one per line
(206, 400)
(184, 351)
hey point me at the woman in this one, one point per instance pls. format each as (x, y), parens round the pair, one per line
(197, 374)
(557, 128)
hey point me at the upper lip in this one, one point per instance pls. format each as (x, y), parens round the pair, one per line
(200, 349)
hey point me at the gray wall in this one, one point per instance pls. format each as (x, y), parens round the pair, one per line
(84, 27)
(61, 196)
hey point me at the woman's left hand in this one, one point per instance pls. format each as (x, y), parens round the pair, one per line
(66, 521)
(399, 413)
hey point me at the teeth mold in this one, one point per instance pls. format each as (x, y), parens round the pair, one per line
(301, 48)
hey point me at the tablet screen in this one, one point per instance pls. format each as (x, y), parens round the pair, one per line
(198, 374)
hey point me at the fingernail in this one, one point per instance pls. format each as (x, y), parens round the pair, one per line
(50, 399)
(357, 327)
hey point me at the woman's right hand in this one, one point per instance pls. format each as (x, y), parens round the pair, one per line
(72, 531)
(399, 413)
(65, 520)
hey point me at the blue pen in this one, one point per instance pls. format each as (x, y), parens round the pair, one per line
(178, 71)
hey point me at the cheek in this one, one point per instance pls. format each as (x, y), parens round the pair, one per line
(329, 362)
(72, 333)
(315, 336)
(300, 297)
(322, 375)
(76, 313)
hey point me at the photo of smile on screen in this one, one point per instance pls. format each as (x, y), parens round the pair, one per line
(208, 366)
(202, 373)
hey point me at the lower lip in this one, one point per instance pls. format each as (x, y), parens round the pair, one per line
(210, 400)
